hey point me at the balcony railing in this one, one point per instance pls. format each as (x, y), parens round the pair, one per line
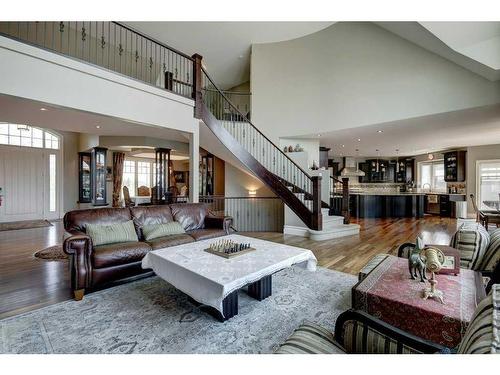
(250, 214)
(112, 46)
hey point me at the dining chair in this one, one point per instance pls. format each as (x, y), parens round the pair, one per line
(126, 197)
(485, 217)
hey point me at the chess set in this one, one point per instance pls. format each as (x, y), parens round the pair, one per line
(229, 249)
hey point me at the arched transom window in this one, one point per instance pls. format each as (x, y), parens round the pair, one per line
(27, 136)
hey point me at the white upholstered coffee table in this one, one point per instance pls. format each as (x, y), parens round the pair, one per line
(214, 281)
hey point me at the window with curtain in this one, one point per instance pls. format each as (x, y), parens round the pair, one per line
(488, 182)
(431, 175)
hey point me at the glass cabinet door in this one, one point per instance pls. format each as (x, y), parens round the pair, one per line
(85, 177)
(99, 176)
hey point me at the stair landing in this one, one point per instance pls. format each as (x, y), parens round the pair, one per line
(333, 227)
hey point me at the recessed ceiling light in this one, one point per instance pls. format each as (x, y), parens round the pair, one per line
(359, 139)
(98, 126)
(319, 135)
(343, 145)
(43, 109)
(380, 131)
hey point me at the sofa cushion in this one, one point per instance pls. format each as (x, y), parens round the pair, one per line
(483, 334)
(310, 338)
(149, 215)
(77, 220)
(190, 215)
(119, 253)
(168, 241)
(471, 240)
(492, 255)
(205, 234)
(152, 231)
(114, 233)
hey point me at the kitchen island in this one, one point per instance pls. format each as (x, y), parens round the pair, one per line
(386, 205)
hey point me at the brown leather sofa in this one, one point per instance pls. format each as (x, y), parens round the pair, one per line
(94, 266)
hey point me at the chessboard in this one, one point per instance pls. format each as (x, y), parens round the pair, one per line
(229, 255)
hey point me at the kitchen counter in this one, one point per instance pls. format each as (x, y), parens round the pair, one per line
(385, 193)
(387, 205)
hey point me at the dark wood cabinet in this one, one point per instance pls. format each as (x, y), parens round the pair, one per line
(405, 170)
(454, 166)
(84, 177)
(323, 157)
(212, 175)
(99, 171)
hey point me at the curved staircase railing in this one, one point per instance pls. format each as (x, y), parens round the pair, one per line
(282, 175)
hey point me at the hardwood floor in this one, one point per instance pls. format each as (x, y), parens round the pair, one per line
(27, 283)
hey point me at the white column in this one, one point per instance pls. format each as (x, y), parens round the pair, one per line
(194, 164)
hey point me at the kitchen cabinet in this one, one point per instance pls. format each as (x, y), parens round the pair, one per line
(406, 170)
(454, 166)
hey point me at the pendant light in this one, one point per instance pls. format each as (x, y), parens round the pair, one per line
(377, 165)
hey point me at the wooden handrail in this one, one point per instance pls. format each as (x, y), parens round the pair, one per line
(131, 29)
(253, 126)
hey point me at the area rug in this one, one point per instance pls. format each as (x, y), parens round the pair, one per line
(51, 253)
(28, 224)
(151, 316)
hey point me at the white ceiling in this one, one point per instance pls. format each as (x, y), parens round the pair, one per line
(22, 111)
(225, 46)
(472, 45)
(472, 127)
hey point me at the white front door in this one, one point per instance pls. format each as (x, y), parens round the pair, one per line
(24, 179)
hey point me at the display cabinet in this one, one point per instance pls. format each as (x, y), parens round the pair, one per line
(99, 172)
(85, 177)
(454, 166)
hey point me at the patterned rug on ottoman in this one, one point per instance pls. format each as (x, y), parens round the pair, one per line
(151, 316)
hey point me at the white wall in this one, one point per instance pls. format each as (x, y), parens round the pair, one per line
(355, 74)
(70, 170)
(310, 146)
(238, 183)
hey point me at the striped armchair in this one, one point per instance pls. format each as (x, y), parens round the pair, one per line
(359, 332)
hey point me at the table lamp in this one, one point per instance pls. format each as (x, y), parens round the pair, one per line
(433, 259)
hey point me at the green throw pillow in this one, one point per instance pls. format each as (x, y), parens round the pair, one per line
(114, 233)
(153, 231)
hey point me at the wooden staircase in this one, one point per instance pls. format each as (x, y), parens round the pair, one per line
(298, 190)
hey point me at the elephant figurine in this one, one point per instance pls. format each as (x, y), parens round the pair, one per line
(415, 262)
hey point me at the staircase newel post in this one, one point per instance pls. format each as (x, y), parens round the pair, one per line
(345, 201)
(197, 83)
(317, 221)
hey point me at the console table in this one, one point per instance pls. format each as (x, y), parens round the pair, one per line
(389, 294)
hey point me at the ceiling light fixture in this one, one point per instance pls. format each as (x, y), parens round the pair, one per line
(43, 109)
(343, 145)
(98, 126)
(359, 139)
(380, 131)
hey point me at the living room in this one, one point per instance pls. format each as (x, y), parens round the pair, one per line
(219, 186)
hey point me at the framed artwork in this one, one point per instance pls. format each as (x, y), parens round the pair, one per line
(179, 177)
